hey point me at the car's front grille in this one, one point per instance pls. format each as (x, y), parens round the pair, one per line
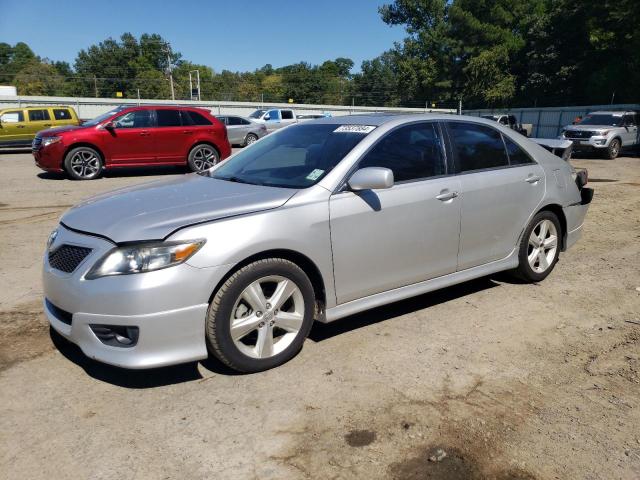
(578, 134)
(66, 258)
(37, 142)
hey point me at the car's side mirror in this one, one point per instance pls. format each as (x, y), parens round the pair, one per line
(371, 178)
(109, 126)
(267, 117)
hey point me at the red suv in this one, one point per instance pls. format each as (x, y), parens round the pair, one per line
(134, 137)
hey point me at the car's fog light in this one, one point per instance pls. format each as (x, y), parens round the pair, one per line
(116, 335)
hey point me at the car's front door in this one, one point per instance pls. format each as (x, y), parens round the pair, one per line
(272, 120)
(131, 141)
(13, 128)
(385, 239)
(501, 187)
(630, 130)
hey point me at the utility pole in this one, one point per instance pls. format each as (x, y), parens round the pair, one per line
(460, 107)
(95, 85)
(170, 69)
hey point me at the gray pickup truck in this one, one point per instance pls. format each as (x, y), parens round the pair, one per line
(606, 132)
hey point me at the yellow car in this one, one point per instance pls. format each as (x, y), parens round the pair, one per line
(18, 126)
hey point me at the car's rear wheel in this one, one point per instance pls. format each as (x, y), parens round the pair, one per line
(83, 163)
(614, 149)
(539, 247)
(250, 138)
(202, 157)
(261, 315)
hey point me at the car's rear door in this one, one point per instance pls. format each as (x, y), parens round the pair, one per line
(385, 239)
(131, 141)
(172, 139)
(236, 131)
(501, 187)
(13, 128)
(38, 119)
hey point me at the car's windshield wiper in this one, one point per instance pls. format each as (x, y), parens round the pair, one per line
(236, 180)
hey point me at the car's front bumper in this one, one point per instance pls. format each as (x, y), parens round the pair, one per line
(49, 158)
(168, 306)
(595, 142)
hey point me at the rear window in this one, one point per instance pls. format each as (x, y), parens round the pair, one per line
(517, 156)
(168, 118)
(197, 118)
(287, 115)
(38, 115)
(477, 147)
(61, 114)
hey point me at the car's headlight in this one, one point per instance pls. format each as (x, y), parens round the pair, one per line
(46, 141)
(603, 133)
(144, 257)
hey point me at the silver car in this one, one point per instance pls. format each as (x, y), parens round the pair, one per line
(242, 131)
(315, 222)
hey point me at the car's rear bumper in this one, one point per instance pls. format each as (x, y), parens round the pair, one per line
(575, 215)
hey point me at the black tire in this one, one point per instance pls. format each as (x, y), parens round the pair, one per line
(83, 163)
(524, 270)
(218, 323)
(613, 150)
(249, 139)
(202, 157)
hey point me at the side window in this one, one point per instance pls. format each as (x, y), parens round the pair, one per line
(38, 115)
(12, 117)
(61, 114)
(477, 146)
(273, 115)
(168, 118)
(411, 152)
(287, 115)
(512, 120)
(245, 122)
(629, 120)
(197, 119)
(223, 120)
(233, 121)
(503, 121)
(135, 119)
(517, 156)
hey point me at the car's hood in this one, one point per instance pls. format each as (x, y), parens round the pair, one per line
(153, 211)
(50, 132)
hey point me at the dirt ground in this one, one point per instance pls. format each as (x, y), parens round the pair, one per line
(489, 379)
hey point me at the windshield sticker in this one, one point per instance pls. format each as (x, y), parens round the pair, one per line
(315, 174)
(354, 129)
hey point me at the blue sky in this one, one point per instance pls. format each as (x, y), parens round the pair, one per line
(224, 34)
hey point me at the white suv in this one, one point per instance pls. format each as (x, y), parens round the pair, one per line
(605, 131)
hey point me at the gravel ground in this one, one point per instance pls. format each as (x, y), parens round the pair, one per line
(488, 379)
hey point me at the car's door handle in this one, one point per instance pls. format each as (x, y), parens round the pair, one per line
(445, 195)
(187, 132)
(19, 126)
(532, 179)
(144, 133)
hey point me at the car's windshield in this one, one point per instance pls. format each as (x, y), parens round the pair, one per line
(257, 114)
(602, 119)
(102, 118)
(295, 157)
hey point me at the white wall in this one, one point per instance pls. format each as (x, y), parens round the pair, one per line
(92, 107)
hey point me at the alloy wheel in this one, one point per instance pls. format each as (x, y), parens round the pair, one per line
(250, 139)
(204, 158)
(267, 316)
(85, 163)
(543, 245)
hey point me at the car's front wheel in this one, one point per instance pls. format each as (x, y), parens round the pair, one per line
(539, 247)
(260, 317)
(613, 150)
(83, 163)
(251, 138)
(202, 157)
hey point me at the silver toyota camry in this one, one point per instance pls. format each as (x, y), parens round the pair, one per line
(315, 222)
